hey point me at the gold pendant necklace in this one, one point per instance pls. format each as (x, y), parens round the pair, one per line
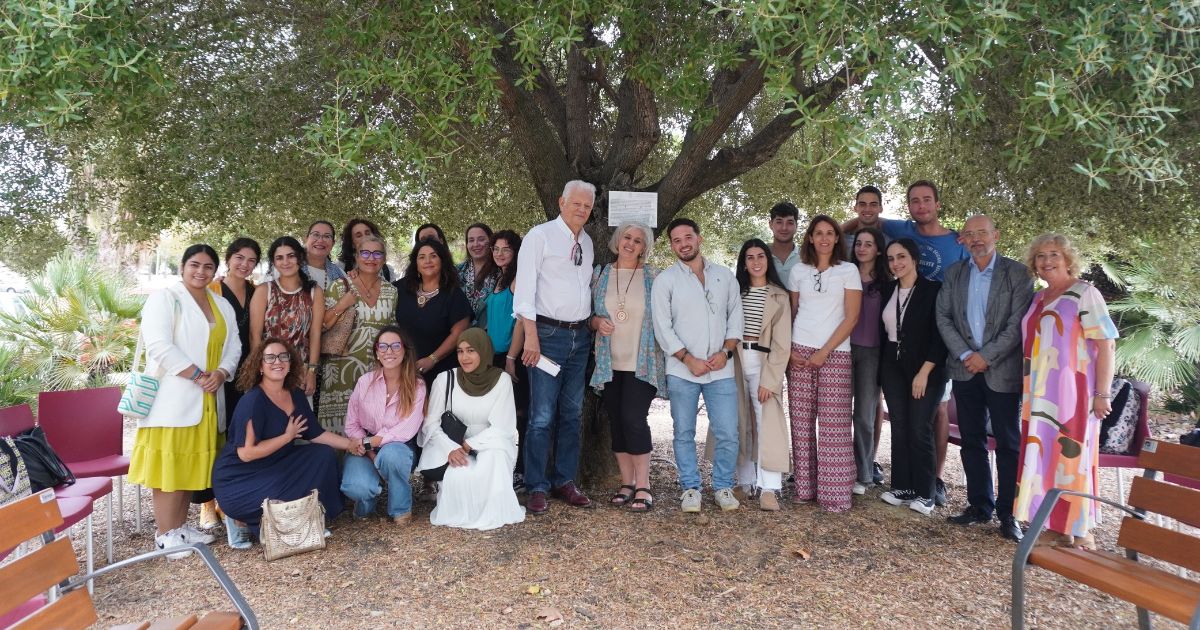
(621, 314)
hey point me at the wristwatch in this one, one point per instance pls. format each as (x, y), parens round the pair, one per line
(729, 354)
(366, 442)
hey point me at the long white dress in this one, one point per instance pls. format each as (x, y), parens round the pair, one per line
(479, 495)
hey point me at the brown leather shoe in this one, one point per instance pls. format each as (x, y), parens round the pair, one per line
(537, 503)
(570, 494)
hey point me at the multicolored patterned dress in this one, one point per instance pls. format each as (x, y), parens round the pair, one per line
(1060, 437)
(289, 316)
(340, 374)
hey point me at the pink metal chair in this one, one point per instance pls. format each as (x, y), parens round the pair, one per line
(85, 428)
(14, 420)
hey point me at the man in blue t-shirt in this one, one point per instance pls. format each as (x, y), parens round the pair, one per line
(939, 248)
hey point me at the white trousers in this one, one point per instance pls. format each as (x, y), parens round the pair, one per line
(750, 473)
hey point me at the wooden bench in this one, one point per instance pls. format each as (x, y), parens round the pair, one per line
(1150, 589)
(53, 567)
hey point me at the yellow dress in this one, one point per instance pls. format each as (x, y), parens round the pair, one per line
(181, 458)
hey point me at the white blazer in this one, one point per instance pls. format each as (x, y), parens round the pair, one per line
(175, 333)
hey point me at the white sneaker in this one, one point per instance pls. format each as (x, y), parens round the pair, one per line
(726, 500)
(859, 489)
(898, 497)
(690, 501)
(922, 505)
(192, 535)
(170, 540)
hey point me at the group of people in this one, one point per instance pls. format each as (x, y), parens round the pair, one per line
(396, 366)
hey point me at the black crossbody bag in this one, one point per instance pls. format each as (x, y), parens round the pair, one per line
(451, 426)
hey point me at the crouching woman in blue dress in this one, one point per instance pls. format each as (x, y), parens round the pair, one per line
(261, 459)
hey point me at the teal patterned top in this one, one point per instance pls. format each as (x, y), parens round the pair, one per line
(651, 364)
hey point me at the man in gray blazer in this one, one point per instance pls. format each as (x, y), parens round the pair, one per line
(979, 314)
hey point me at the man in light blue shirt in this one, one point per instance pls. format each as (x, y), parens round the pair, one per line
(784, 253)
(979, 314)
(697, 310)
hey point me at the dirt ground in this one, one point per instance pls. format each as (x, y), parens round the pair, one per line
(874, 566)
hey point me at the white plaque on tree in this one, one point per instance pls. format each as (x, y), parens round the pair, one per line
(640, 207)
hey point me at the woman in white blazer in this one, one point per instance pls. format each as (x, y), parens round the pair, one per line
(191, 340)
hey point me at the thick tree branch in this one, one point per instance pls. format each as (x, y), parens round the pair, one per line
(635, 135)
(580, 152)
(543, 149)
(732, 162)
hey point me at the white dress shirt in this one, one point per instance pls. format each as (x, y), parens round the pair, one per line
(549, 283)
(699, 317)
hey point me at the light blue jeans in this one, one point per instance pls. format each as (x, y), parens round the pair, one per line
(362, 480)
(720, 397)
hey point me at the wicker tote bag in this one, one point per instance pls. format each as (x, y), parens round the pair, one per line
(336, 340)
(292, 527)
(14, 480)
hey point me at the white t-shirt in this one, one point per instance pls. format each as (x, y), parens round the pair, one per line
(822, 302)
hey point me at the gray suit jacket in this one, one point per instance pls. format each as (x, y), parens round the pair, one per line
(1008, 299)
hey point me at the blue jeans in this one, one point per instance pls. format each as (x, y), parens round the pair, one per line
(720, 397)
(555, 408)
(362, 479)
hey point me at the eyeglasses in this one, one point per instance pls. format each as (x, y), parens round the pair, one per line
(708, 298)
(502, 250)
(321, 236)
(817, 282)
(975, 234)
(395, 346)
(282, 357)
(577, 253)
(370, 255)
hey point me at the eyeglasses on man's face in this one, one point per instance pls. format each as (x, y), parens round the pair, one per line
(282, 357)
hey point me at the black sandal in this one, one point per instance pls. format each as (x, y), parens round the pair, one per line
(620, 498)
(640, 505)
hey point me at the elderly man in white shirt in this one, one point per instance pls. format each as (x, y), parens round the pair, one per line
(697, 310)
(553, 298)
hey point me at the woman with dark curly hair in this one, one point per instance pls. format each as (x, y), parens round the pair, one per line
(430, 308)
(261, 460)
(290, 307)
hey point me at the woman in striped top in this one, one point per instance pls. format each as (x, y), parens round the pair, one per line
(759, 367)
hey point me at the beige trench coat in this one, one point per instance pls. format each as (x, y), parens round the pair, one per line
(776, 335)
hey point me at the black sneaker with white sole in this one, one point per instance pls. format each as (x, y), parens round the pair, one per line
(922, 505)
(898, 497)
(877, 473)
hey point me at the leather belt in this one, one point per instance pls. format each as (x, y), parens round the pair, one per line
(542, 319)
(746, 345)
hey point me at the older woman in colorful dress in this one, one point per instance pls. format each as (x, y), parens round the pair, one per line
(1070, 346)
(191, 340)
(373, 302)
(476, 490)
(630, 366)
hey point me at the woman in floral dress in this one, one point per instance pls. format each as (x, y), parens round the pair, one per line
(1069, 343)
(374, 301)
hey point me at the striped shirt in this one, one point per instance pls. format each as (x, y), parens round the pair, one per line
(753, 303)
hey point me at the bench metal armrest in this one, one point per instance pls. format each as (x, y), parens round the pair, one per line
(206, 555)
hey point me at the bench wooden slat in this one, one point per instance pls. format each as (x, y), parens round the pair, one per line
(132, 626)
(73, 611)
(174, 623)
(1155, 590)
(36, 572)
(1178, 459)
(220, 620)
(1167, 499)
(29, 518)
(1165, 544)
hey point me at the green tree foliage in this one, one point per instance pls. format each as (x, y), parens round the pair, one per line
(1160, 326)
(78, 327)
